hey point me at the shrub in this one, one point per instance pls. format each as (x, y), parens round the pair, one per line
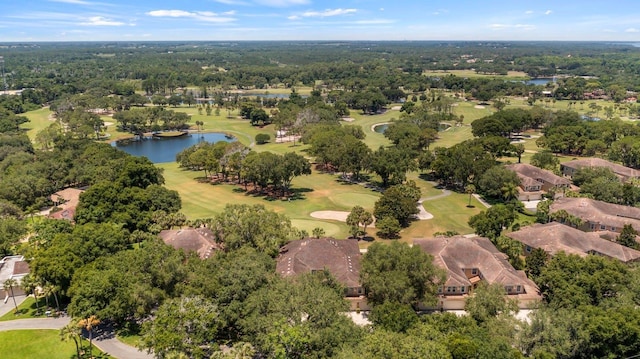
(262, 138)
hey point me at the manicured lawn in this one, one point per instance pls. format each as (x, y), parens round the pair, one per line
(512, 75)
(450, 214)
(27, 309)
(38, 120)
(20, 344)
(319, 192)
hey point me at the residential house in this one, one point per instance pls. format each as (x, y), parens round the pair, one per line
(536, 181)
(555, 237)
(470, 260)
(198, 240)
(65, 203)
(624, 173)
(598, 215)
(340, 257)
(12, 267)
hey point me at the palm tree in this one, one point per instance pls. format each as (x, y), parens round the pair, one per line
(88, 324)
(470, 189)
(30, 286)
(72, 331)
(8, 286)
(509, 192)
(50, 289)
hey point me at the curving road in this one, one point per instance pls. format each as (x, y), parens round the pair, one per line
(105, 340)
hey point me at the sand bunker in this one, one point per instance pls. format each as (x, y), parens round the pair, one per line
(479, 107)
(333, 215)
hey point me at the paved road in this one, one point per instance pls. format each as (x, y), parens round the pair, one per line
(6, 307)
(44, 323)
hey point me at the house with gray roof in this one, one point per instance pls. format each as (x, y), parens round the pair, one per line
(340, 257)
(624, 173)
(198, 240)
(555, 237)
(469, 261)
(598, 215)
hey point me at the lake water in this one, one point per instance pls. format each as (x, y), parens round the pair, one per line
(539, 81)
(161, 150)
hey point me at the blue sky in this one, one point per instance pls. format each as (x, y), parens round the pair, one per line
(224, 20)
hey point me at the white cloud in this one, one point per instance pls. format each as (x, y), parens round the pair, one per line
(529, 12)
(229, 13)
(206, 16)
(632, 29)
(101, 21)
(548, 12)
(325, 13)
(281, 3)
(381, 9)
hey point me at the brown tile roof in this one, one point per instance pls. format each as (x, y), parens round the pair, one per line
(458, 253)
(598, 212)
(537, 174)
(67, 200)
(620, 170)
(340, 257)
(21, 267)
(556, 237)
(199, 240)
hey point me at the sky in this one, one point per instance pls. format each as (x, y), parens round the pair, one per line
(234, 20)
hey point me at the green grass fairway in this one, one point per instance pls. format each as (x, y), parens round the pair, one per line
(450, 214)
(21, 344)
(319, 191)
(38, 120)
(511, 75)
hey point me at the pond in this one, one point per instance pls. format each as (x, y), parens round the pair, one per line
(540, 81)
(160, 150)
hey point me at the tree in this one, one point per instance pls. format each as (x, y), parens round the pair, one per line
(392, 165)
(8, 287)
(535, 262)
(628, 237)
(318, 232)
(497, 180)
(397, 273)
(491, 222)
(72, 331)
(388, 227)
(470, 189)
(393, 317)
(488, 301)
(545, 160)
(569, 281)
(89, 324)
(182, 325)
(255, 226)
(358, 216)
(262, 138)
(299, 318)
(398, 202)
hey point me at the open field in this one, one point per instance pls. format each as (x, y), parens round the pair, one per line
(38, 120)
(39, 344)
(512, 75)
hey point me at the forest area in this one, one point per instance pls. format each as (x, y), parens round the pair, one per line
(456, 115)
